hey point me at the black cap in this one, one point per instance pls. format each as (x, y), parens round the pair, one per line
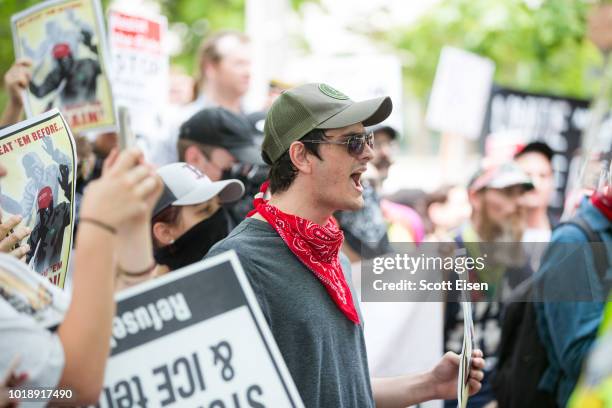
(537, 147)
(385, 129)
(223, 128)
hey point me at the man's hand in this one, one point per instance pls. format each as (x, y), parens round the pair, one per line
(444, 375)
(439, 383)
(9, 239)
(17, 79)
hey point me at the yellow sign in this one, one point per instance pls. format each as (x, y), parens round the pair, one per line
(66, 41)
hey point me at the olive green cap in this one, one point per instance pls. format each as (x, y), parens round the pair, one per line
(299, 110)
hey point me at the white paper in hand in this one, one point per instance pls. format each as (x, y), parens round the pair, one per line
(465, 363)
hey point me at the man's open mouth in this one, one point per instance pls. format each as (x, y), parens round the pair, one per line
(356, 177)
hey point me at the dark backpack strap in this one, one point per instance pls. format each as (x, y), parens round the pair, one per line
(599, 251)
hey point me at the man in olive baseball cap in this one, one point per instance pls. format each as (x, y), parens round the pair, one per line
(317, 147)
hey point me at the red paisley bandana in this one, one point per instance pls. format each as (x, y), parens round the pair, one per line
(315, 246)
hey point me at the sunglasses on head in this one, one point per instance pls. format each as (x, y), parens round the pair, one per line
(355, 143)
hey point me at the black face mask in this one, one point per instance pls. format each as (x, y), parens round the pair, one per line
(195, 243)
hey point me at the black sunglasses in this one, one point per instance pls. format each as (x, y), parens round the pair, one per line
(355, 143)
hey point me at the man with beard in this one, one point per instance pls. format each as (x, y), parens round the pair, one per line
(289, 247)
(74, 80)
(495, 229)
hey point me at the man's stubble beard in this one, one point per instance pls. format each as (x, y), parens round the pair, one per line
(510, 230)
(506, 236)
(336, 205)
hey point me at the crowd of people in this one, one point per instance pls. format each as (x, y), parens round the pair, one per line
(301, 202)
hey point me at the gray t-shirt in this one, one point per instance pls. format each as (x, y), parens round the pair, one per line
(324, 351)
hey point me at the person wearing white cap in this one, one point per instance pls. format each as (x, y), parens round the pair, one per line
(187, 220)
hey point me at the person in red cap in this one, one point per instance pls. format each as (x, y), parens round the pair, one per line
(61, 50)
(45, 198)
(47, 236)
(74, 80)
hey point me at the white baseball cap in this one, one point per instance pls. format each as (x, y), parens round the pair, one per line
(187, 185)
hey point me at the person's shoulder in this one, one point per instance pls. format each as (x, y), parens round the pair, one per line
(568, 233)
(244, 234)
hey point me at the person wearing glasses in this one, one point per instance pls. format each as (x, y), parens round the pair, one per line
(220, 143)
(289, 247)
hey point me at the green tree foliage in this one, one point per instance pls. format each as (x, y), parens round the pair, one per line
(191, 19)
(194, 19)
(538, 46)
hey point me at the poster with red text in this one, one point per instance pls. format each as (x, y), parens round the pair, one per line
(140, 67)
(39, 156)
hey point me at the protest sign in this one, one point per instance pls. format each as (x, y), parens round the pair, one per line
(460, 92)
(195, 338)
(66, 42)
(139, 71)
(465, 362)
(516, 118)
(40, 158)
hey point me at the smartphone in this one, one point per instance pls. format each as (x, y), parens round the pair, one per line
(127, 138)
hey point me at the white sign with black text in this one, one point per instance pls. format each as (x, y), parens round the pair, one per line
(195, 338)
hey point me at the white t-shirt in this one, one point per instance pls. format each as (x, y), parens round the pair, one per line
(535, 242)
(401, 337)
(30, 307)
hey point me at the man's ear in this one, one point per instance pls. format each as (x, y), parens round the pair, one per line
(195, 157)
(162, 233)
(300, 157)
(209, 70)
(475, 198)
(433, 212)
